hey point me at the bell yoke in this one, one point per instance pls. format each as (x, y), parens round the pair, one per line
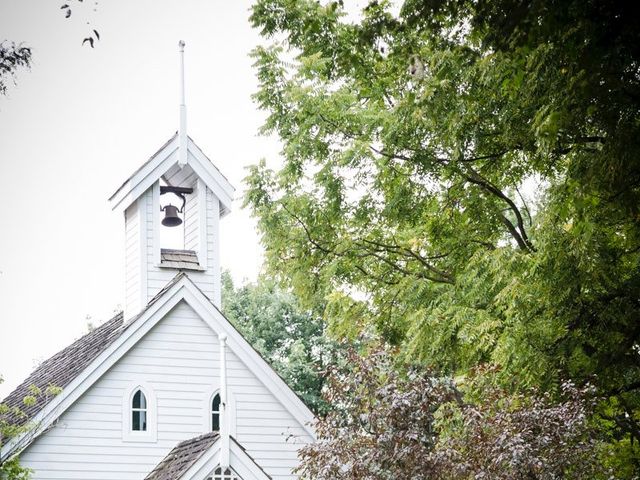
(171, 217)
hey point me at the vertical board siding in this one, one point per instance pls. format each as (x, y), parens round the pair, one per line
(132, 260)
(213, 246)
(144, 277)
(157, 278)
(178, 359)
(191, 223)
(152, 243)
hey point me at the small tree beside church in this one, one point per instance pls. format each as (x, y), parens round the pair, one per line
(11, 424)
(391, 424)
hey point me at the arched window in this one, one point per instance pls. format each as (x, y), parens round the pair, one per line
(139, 412)
(212, 407)
(228, 474)
(215, 413)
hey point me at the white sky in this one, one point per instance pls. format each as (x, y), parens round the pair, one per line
(77, 124)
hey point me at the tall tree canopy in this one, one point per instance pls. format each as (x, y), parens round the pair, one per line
(462, 178)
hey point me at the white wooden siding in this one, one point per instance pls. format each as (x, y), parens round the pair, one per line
(191, 220)
(213, 246)
(178, 358)
(132, 260)
(144, 276)
(185, 177)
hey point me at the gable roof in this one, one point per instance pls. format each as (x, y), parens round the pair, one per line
(62, 368)
(107, 348)
(161, 162)
(196, 459)
(182, 457)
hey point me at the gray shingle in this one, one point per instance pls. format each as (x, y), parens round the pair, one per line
(180, 259)
(183, 455)
(63, 367)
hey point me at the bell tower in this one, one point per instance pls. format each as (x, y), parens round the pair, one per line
(172, 206)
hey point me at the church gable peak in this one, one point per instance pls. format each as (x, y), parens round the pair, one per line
(163, 166)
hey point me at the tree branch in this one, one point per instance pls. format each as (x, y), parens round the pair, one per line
(520, 234)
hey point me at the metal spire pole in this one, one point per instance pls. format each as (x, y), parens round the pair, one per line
(182, 131)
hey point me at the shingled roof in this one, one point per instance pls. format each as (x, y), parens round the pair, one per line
(63, 367)
(183, 259)
(183, 455)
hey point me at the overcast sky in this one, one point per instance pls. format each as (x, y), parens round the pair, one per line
(79, 122)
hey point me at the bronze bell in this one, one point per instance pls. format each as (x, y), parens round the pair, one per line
(171, 218)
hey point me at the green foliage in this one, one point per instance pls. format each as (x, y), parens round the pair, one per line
(11, 469)
(463, 179)
(291, 339)
(13, 421)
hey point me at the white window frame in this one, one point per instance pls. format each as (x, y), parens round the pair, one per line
(231, 410)
(149, 435)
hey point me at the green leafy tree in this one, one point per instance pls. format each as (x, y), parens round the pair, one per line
(463, 178)
(290, 338)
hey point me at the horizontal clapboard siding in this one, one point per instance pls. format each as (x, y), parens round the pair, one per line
(178, 359)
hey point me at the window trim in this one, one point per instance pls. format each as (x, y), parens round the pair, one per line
(231, 409)
(151, 433)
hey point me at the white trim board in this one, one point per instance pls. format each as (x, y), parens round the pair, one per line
(239, 461)
(161, 162)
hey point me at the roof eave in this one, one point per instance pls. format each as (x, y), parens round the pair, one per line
(154, 168)
(210, 458)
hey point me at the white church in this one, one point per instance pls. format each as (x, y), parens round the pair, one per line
(167, 389)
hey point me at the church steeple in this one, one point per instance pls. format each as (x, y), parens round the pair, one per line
(181, 175)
